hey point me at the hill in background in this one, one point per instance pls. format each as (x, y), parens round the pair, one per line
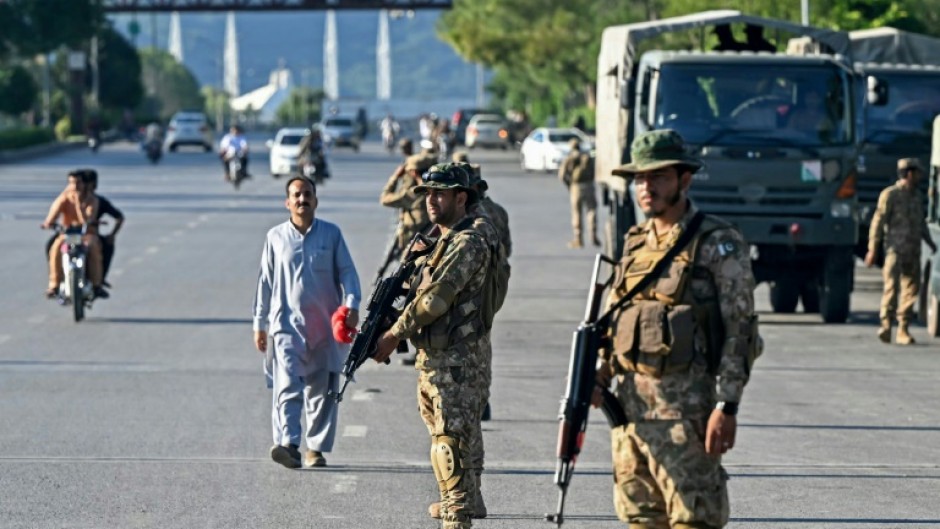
(423, 67)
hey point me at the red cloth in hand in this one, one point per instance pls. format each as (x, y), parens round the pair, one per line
(342, 333)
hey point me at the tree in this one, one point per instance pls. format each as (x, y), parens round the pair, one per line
(302, 107)
(17, 90)
(119, 72)
(29, 27)
(218, 106)
(170, 86)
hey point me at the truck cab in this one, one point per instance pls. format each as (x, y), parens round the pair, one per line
(929, 310)
(777, 134)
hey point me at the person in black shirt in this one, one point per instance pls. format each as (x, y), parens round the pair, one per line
(105, 207)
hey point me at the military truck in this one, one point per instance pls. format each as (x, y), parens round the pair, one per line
(929, 310)
(777, 133)
(904, 68)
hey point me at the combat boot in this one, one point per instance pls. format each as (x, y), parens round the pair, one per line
(596, 241)
(575, 243)
(884, 332)
(903, 337)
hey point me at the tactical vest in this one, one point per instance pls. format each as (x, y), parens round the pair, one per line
(655, 333)
(463, 321)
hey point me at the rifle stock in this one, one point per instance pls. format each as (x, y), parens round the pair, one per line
(576, 404)
(381, 316)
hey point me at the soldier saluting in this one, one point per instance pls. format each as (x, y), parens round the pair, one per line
(681, 350)
(897, 228)
(445, 324)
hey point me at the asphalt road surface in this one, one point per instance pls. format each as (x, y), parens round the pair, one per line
(154, 413)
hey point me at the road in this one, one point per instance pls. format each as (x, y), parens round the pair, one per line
(153, 412)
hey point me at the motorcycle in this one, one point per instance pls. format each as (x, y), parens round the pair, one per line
(154, 150)
(235, 164)
(75, 289)
(315, 168)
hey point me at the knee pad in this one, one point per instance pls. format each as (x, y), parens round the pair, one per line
(445, 459)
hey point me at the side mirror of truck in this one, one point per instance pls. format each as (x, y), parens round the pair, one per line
(877, 91)
(627, 93)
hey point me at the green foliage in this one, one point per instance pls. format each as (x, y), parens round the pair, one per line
(170, 86)
(63, 128)
(302, 107)
(17, 90)
(25, 137)
(119, 72)
(218, 107)
(544, 52)
(28, 27)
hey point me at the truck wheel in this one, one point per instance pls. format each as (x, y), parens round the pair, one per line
(835, 297)
(923, 297)
(933, 316)
(784, 295)
(809, 295)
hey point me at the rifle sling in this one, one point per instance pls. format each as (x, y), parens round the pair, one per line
(684, 240)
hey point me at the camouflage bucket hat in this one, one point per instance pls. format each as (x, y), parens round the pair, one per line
(905, 164)
(657, 149)
(446, 176)
(419, 162)
(476, 179)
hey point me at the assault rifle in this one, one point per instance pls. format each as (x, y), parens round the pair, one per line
(382, 315)
(582, 370)
(582, 373)
(392, 254)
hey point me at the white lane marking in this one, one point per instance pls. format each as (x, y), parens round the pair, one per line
(203, 218)
(333, 517)
(363, 395)
(37, 319)
(192, 225)
(117, 272)
(164, 240)
(136, 260)
(177, 233)
(153, 249)
(4, 338)
(345, 484)
(353, 430)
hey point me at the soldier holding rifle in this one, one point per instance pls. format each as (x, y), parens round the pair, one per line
(680, 349)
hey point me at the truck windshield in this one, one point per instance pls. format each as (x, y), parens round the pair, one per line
(754, 105)
(913, 101)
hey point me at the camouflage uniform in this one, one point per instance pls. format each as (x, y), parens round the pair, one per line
(451, 351)
(399, 193)
(665, 352)
(898, 225)
(581, 190)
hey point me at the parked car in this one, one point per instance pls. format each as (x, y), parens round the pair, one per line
(544, 148)
(188, 128)
(340, 131)
(284, 150)
(460, 120)
(487, 130)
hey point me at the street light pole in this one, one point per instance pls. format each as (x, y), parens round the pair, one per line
(804, 12)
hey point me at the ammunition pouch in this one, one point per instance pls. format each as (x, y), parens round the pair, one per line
(654, 338)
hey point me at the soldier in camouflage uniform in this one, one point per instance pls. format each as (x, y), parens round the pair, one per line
(577, 173)
(488, 207)
(680, 352)
(399, 192)
(444, 323)
(897, 228)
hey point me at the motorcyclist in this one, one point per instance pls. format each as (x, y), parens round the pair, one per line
(312, 151)
(75, 207)
(153, 136)
(105, 207)
(390, 129)
(234, 144)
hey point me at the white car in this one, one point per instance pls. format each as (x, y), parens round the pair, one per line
(188, 128)
(545, 148)
(487, 130)
(285, 147)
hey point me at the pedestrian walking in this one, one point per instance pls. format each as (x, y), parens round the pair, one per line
(307, 301)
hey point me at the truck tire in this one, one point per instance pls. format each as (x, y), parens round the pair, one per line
(835, 297)
(933, 315)
(784, 295)
(809, 296)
